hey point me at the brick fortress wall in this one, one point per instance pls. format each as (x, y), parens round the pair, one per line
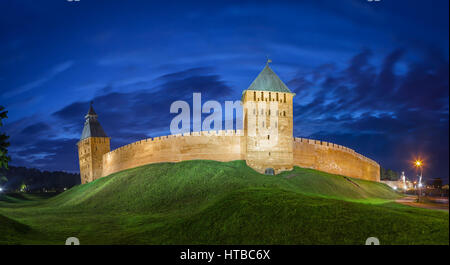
(230, 145)
(335, 159)
(213, 145)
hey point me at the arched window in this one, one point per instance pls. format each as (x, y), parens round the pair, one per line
(269, 171)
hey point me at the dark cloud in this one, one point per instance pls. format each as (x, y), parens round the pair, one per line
(54, 154)
(35, 128)
(126, 117)
(387, 116)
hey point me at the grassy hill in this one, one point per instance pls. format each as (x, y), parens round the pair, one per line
(208, 202)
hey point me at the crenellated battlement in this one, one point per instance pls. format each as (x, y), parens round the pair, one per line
(223, 145)
(336, 147)
(171, 136)
(334, 158)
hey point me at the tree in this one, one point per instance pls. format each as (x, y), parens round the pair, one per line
(4, 158)
(437, 183)
(3, 180)
(23, 187)
(388, 174)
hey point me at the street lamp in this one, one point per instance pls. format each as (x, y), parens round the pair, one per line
(419, 164)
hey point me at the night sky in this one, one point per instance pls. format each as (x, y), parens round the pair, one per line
(372, 76)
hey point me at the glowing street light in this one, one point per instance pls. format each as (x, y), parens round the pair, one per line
(419, 164)
(1, 189)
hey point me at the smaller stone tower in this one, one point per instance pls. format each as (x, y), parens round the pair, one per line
(91, 147)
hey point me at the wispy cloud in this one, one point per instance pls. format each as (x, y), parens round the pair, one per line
(37, 83)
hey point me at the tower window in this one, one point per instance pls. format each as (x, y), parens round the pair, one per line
(268, 137)
(284, 97)
(262, 96)
(277, 97)
(284, 113)
(254, 95)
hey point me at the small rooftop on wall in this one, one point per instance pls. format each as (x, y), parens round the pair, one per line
(267, 80)
(92, 127)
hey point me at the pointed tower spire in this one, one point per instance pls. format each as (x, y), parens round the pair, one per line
(91, 110)
(92, 127)
(267, 80)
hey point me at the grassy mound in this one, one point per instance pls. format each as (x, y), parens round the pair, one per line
(10, 230)
(190, 184)
(208, 202)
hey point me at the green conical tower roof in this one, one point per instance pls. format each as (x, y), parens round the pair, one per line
(267, 80)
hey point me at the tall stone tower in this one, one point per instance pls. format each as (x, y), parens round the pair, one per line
(268, 123)
(91, 147)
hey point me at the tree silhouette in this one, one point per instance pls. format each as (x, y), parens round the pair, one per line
(4, 158)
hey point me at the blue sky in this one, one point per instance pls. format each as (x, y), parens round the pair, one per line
(372, 76)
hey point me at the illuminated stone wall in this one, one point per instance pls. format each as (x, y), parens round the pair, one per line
(231, 145)
(213, 145)
(335, 159)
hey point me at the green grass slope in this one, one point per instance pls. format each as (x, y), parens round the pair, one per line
(209, 202)
(11, 230)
